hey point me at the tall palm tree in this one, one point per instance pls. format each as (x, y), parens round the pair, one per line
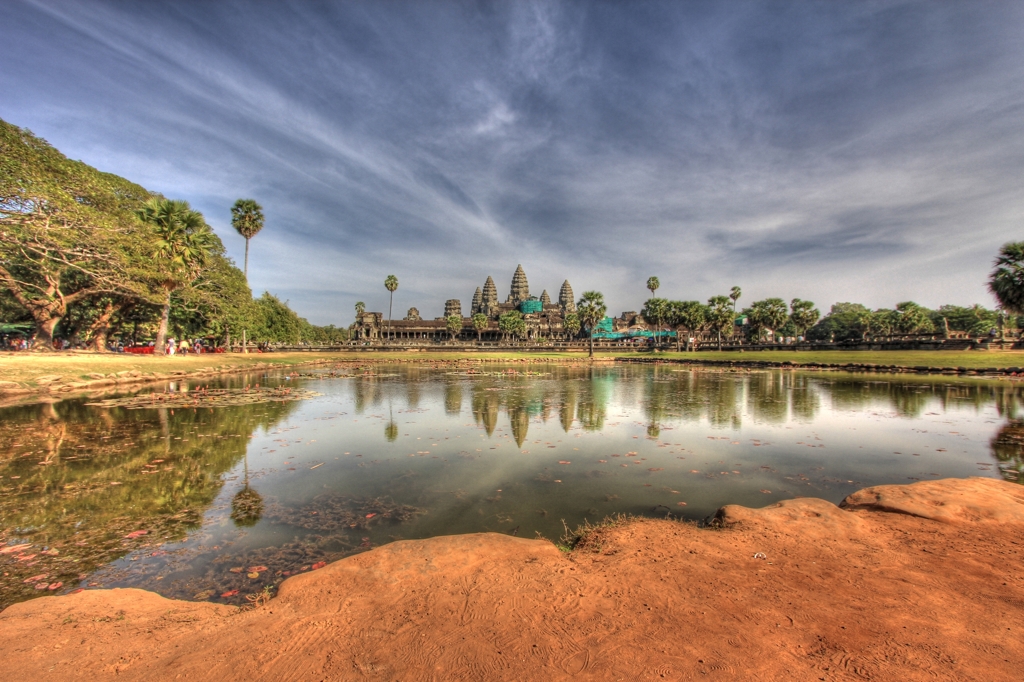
(591, 310)
(247, 218)
(1007, 281)
(653, 284)
(390, 283)
(360, 308)
(183, 242)
(735, 294)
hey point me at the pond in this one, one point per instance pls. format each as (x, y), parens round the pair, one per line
(207, 492)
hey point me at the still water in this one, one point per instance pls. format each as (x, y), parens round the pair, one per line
(200, 502)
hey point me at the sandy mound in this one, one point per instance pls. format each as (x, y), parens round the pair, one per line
(802, 590)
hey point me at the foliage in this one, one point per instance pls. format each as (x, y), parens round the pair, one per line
(572, 324)
(653, 284)
(844, 321)
(453, 323)
(766, 315)
(512, 324)
(974, 320)
(803, 315)
(721, 316)
(656, 310)
(591, 310)
(1007, 279)
(247, 219)
(67, 231)
(735, 294)
(390, 283)
(479, 324)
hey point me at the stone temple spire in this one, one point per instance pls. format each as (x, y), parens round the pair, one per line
(478, 299)
(565, 299)
(489, 301)
(544, 298)
(520, 287)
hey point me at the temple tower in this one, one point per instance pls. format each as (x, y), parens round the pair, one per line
(545, 300)
(565, 299)
(490, 297)
(413, 314)
(520, 287)
(452, 306)
(478, 300)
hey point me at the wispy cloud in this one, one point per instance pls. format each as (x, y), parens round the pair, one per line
(824, 150)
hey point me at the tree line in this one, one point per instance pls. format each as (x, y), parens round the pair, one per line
(89, 256)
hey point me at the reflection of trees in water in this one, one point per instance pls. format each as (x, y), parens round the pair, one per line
(592, 401)
(804, 401)
(567, 403)
(367, 391)
(910, 396)
(1008, 448)
(767, 398)
(452, 396)
(109, 471)
(486, 405)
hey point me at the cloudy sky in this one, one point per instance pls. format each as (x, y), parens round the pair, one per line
(835, 151)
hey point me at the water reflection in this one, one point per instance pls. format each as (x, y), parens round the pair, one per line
(389, 453)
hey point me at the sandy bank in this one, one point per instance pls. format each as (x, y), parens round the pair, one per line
(906, 582)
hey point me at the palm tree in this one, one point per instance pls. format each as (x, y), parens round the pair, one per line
(479, 324)
(653, 284)
(360, 308)
(453, 323)
(390, 283)
(735, 294)
(721, 317)
(183, 242)
(1007, 281)
(247, 219)
(591, 310)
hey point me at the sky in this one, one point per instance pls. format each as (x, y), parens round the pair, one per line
(831, 151)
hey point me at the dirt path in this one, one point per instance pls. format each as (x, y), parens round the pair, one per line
(856, 593)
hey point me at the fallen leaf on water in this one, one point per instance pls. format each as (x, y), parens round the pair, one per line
(370, 515)
(316, 465)
(681, 504)
(205, 594)
(253, 575)
(34, 579)
(564, 461)
(26, 557)
(319, 564)
(42, 586)
(656, 469)
(135, 534)
(257, 569)
(77, 590)
(603, 461)
(694, 471)
(766, 492)
(229, 593)
(236, 569)
(55, 586)
(15, 548)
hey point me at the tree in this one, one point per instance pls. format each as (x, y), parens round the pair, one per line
(571, 323)
(735, 294)
(390, 283)
(845, 321)
(766, 316)
(453, 323)
(479, 324)
(591, 310)
(67, 231)
(247, 219)
(721, 317)
(690, 315)
(914, 319)
(360, 308)
(512, 324)
(656, 310)
(1007, 280)
(803, 315)
(653, 284)
(183, 243)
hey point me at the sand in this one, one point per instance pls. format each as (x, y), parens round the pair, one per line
(917, 582)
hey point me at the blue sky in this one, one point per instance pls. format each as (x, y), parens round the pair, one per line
(833, 151)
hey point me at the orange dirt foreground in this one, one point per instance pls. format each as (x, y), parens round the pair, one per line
(915, 582)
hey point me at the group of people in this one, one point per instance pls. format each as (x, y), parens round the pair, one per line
(172, 347)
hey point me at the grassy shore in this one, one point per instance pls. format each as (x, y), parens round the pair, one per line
(29, 371)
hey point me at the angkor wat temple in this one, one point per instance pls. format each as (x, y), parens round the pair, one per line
(543, 318)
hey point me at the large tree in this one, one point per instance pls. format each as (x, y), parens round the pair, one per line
(479, 324)
(183, 243)
(247, 219)
(766, 316)
(67, 232)
(689, 315)
(656, 311)
(591, 309)
(721, 316)
(1007, 280)
(803, 315)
